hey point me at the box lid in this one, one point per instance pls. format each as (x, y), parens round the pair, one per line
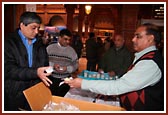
(38, 96)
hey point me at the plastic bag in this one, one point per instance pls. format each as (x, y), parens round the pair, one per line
(62, 106)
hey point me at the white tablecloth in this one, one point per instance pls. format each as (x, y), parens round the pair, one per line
(79, 94)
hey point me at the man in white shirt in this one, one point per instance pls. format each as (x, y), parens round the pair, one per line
(142, 87)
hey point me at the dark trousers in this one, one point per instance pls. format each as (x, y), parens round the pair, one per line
(56, 89)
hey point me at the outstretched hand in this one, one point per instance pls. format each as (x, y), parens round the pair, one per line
(44, 76)
(74, 83)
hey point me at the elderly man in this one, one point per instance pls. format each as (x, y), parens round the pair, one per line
(142, 87)
(117, 59)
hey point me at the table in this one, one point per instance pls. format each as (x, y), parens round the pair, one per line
(79, 94)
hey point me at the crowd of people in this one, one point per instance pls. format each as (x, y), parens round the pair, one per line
(140, 85)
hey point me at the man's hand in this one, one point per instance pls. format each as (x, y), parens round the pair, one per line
(43, 76)
(74, 83)
(101, 71)
(111, 73)
(59, 68)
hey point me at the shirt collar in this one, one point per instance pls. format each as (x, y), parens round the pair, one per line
(139, 54)
(59, 44)
(117, 49)
(24, 39)
(63, 47)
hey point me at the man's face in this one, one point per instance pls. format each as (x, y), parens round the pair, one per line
(119, 41)
(64, 40)
(141, 40)
(30, 31)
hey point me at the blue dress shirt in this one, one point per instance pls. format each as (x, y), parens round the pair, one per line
(28, 46)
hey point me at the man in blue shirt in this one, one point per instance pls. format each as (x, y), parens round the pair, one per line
(25, 62)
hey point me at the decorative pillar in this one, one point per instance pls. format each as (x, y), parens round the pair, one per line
(45, 14)
(81, 18)
(86, 26)
(129, 22)
(70, 8)
(117, 19)
(87, 11)
(19, 9)
(92, 19)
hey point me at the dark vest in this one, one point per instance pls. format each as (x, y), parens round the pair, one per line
(150, 98)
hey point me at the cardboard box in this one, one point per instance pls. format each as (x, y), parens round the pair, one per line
(39, 95)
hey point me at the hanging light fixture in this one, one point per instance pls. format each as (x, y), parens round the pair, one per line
(88, 9)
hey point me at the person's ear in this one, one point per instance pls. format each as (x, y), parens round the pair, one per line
(151, 38)
(21, 24)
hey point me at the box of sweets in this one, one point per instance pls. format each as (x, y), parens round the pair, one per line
(91, 75)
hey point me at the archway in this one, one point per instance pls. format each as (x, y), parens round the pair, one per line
(56, 20)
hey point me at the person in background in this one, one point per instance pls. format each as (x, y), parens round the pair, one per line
(108, 43)
(64, 60)
(142, 87)
(46, 38)
(25, 62)
(91, 52)
(100, 50)
(117, 59)
(77, 44)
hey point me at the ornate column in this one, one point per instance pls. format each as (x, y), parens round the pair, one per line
(92, 19)
(129, 22)
(19, 9)
(45, 14)
(87, 11)
(86, 26)
(81, 18)
(70, 8)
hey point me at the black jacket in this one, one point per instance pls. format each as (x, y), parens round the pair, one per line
(91, 49)
(18, 76)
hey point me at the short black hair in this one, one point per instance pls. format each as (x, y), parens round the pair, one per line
(91, 34)
(30, 17)
(154, 30)
(65, 32)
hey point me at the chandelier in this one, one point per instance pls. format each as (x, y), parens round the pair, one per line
(88, 9)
